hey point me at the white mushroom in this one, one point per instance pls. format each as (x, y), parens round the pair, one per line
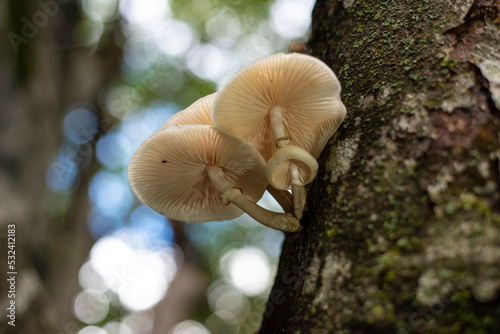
(200, 173)
(282, 100)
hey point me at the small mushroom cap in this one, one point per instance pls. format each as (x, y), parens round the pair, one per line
(278, 167)
(306, 89)
(200, 112)
(167, 172)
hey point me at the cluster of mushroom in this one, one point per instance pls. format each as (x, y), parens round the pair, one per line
(263, 130)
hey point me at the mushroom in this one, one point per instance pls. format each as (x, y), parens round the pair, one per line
(200, 173)
(282, 100)
(200, 113)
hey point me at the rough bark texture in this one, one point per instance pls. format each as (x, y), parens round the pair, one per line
(43, 73)
(403, 229)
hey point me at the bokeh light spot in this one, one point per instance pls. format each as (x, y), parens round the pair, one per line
(291, 18)
(92, 330)
(224, 27)
(140, 322)
(224, 297)
(189, 327)
(80, 125)
(91, 306)
(140, 277)
(103, 10)
(156, 228)
(115, 327)
(248, 269)
(111, 194)
(210, 62)
(175, 38)
(62, 175)
(111, 151)
(222, 322)
(121, 100)
(90, 279)
(145, 14)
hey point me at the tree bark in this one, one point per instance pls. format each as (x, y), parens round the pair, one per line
(403, 229)
(43, 72)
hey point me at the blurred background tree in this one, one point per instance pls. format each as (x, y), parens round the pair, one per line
(403, 227)
(83, 84)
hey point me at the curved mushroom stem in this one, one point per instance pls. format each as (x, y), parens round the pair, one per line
(298, 191)
(283, 197)
(282, 140)
(289, 177)
(280, 221)
(286, 222)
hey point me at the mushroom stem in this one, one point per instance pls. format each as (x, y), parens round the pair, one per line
(286, 222)
(283, 197)
(298, 191)
(216, 175)
(276, 119)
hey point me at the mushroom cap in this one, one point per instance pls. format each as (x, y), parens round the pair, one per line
(304, 86)
(200, 112)
(167, 172)
(278, 167)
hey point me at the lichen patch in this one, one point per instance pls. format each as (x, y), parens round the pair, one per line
(436, 189)
(431, 290)
(414, 118)
(340, 158)
(311, 279)
(460, 95)
(334, 275)
(457, 12)
(348, 3)
(490, 69)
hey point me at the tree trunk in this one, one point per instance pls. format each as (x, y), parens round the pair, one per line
(403, 229)
(43, 73)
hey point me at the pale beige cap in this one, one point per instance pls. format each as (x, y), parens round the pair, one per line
(306, 89)
(200, 112)
(167, 172)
